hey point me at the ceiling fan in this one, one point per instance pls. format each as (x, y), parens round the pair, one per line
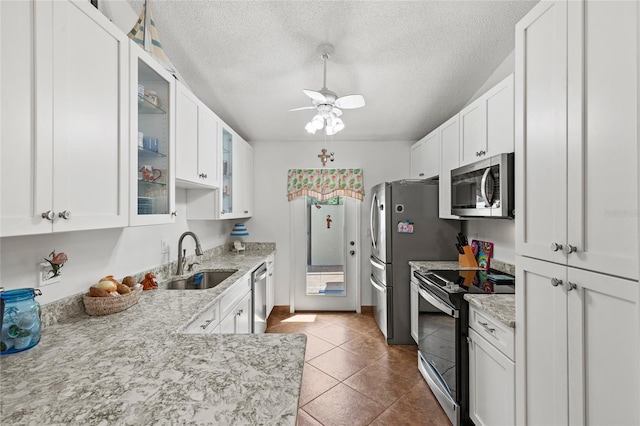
(327, 103)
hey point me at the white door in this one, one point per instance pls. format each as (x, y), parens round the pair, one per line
(604, 325)
(541, 343)
(327, 295)
(541, 131)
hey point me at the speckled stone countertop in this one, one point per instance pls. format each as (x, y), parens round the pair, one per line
(428, 265)
(500, 306)
(136, 367)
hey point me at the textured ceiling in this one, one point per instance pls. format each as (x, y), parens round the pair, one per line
(415, 62)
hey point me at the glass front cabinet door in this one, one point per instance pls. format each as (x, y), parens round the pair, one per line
(152, 140)
(227, 188)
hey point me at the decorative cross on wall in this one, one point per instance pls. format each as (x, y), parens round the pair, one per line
(324, 156)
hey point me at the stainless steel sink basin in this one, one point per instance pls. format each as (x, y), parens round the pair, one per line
(201, 280)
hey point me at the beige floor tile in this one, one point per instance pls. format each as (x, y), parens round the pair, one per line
(342, 405)
(381, 384)
(335, 333)
(338, 363)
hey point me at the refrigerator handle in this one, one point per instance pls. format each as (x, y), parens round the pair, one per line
(376, 285)
(374, 202)
(377, 264)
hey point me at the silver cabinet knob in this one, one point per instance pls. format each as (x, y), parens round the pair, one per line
(49, 215)
(570, 249)
(65, 214)
(352, 252)
(204, 175)
(482, 152)
(556, 246)
(570, 286)
(174, 214)
(420, 174)
(555, 282)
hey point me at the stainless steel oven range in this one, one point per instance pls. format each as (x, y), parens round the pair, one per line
(443, 356)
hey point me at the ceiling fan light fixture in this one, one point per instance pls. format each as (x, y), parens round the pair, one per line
(317, 122)
(310, 128)
(327, 103)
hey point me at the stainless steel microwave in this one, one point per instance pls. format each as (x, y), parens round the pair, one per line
(484, 188)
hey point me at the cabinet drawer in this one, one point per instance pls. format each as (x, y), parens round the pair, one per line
(234, 294)
(206, 320)
(496, 333)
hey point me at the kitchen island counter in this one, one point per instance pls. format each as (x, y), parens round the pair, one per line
(138, 367)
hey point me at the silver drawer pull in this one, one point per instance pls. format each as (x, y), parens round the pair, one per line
(486, 326)
(206, 324)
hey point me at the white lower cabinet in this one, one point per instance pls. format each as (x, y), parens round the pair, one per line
(207, 322)
(578, 345)
(492, 375)
(235, 306)
(238, 321)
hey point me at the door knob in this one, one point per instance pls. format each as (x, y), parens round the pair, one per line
(556, 246)
(555, 282)
(570, 286)
(570, 249)
(65, 214)
(49, 215)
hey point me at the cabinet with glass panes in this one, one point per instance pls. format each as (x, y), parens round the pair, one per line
(152, 121)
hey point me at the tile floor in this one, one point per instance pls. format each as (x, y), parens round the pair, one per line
(352, 377)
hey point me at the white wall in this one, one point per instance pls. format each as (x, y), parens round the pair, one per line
(94, 254)
(380, 161)
(327, 243)
(501, 232)
(507, 67)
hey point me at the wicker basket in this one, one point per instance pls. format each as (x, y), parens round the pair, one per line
(111, 305)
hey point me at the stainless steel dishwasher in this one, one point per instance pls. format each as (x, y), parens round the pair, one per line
(259, 299)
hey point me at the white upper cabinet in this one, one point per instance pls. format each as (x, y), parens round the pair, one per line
(424, 157)
(152, 191)
(64, 115)
(449, 160)
(234, 197)
(196, 142)
(486, 125)
(577, 121)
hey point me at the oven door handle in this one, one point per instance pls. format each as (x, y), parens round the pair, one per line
(439, 304)
(376, 285)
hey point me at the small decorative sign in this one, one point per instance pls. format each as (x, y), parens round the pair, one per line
(405, 227)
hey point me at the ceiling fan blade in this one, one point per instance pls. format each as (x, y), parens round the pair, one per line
(301, 108)
(350, 101)
(316, 96)
(336, 111)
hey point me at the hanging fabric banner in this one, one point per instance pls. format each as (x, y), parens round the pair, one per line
(324, 184)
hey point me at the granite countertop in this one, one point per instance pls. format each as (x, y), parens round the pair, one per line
(428, 265)
(137, 367)
(500, 306)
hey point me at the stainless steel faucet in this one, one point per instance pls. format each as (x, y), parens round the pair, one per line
(181, 254)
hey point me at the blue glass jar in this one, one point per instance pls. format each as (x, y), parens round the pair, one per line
(20, 320)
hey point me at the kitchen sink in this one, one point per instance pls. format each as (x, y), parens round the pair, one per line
(201, 280)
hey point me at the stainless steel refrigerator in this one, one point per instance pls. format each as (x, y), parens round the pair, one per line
(404, 226)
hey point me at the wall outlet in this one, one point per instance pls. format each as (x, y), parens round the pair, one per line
(164, 247)
(43, 269)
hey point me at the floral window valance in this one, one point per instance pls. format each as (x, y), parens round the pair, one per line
(324, 184)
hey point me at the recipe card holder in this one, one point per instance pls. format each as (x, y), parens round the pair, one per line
(467, 259)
